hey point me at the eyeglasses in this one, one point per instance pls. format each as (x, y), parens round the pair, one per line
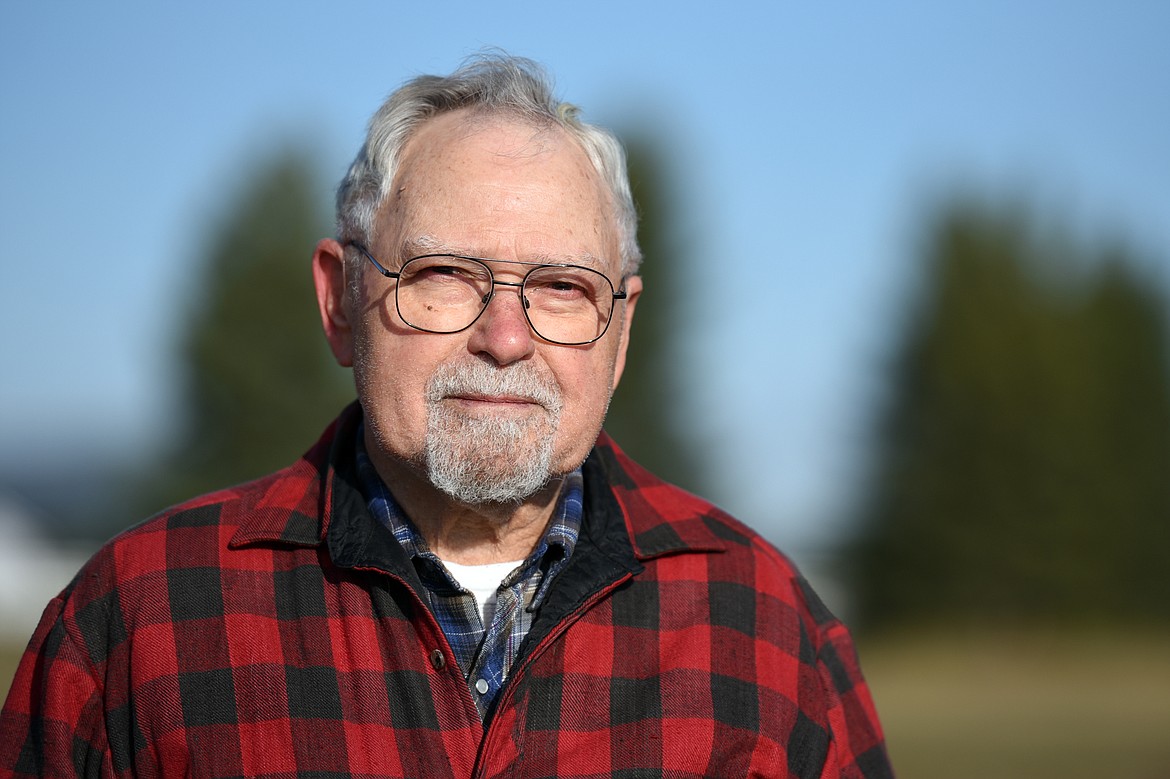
(445, 293)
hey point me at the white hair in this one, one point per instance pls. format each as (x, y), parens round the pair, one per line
(492, 83)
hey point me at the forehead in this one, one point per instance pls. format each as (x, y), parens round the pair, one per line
(500, 187)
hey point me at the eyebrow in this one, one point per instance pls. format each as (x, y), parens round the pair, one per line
(429, 244)
(424, 244)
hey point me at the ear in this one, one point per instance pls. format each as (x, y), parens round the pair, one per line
(633, 290)
(329, 279)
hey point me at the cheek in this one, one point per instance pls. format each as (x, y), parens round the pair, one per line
(586, 398)
(391, 382)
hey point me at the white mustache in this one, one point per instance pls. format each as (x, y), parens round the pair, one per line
(520, 380)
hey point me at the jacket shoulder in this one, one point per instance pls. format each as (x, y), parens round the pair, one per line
(665, 520)
(662, 517)
(756, 601)
(283, 505)
(136, 568)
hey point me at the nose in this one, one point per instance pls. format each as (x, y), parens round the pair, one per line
(502, 331)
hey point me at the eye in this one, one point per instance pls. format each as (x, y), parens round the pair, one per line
(559, 287)
(442, 269)
(567, 286)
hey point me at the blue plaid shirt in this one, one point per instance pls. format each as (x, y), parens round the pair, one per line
(485, 655)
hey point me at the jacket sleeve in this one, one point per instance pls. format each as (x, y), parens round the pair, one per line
(857, 748)
(53, 722)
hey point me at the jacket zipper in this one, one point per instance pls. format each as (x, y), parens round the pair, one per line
(491, 736)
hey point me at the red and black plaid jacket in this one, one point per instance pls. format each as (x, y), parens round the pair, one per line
(274, 629)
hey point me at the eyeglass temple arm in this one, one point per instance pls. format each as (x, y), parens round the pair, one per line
(384, 271)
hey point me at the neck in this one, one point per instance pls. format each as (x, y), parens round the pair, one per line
(468, 534)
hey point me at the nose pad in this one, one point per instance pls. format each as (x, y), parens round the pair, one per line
(486, 299)
(525, 303)
(502, 332)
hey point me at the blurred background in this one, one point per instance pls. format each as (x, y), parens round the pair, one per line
(907, 272)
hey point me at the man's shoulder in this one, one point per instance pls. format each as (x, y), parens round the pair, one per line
(664, 518)
(669, 525)
(260, 508)
(265, 507)
(283, 507)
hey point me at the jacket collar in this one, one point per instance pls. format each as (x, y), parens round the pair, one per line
(660, 518)
(320, 480)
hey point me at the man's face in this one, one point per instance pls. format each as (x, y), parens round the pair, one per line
(491, 412)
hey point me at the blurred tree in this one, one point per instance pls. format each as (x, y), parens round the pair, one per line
(1021, 468)
(645, 415)
(257, 381)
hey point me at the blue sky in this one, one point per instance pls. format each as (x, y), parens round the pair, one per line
(807, 141)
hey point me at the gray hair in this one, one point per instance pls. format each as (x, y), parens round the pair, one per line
(493, 83)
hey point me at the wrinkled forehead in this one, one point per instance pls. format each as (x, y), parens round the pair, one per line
(472, 184)
(504, 135)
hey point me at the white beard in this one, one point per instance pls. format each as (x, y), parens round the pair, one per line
(482, 459)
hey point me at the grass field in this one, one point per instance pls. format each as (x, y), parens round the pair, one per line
(1024, 706)
(9, 657)
(1050, 706)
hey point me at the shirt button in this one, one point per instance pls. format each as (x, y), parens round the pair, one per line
(437, 660)
(481, 687)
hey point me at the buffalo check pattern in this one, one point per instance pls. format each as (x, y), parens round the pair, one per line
(276, 629)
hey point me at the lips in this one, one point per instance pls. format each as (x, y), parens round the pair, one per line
(483, 398)
(497, 404)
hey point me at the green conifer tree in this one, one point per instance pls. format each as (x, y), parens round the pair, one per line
(646, 410)
(1021, 469)
(257, 382)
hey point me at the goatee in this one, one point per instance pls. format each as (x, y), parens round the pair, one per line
(490, 459)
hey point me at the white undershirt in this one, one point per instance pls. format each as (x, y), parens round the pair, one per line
(483, 581)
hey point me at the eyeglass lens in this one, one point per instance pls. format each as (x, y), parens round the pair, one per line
(443, 294)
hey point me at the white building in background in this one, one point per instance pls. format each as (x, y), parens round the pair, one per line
(32, 570)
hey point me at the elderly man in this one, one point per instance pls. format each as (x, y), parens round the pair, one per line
(464, 577)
